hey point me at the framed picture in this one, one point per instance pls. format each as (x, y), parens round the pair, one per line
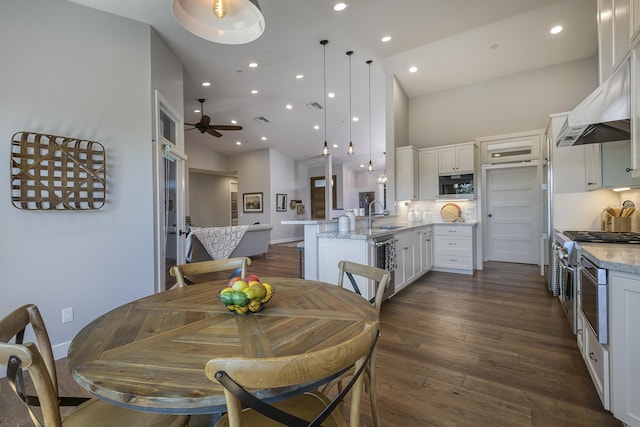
(252, 202)
(281, 202)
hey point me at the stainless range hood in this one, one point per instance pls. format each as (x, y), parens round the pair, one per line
(603, 116)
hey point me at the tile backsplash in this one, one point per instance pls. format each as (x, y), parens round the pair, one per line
(468, 207)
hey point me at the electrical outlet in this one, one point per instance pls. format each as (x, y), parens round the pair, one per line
(67, 315)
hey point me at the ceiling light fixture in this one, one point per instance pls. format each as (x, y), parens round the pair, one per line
(370, 167)
(385, 39)
(325, 148)
(350, 150)
(413, 69)
(206, 84)
(236, 22)
(339, 6)
(557, 29)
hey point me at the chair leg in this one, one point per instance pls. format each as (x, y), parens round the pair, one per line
(373, 397)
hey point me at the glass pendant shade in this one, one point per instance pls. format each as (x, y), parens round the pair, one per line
(351, 151)
(221, 21)
(370, 167)
(325, 150)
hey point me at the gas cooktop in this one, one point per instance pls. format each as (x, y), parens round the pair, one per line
(603, 236)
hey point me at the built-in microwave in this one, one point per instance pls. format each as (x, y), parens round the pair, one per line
(456, 186)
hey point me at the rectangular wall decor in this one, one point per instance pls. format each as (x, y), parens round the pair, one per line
(50, 172)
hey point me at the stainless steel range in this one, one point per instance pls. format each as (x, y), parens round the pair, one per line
(565, 263)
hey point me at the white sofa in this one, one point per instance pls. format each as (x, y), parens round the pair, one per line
(254, 242)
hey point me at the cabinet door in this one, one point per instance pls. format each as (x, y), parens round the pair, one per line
(447, 160)
(616, 165)
(406, 259)
(624, 344)
(426, 251)
(406, 173)
(635, 110)
(593, 167)
(621, 31)
(635, 22)
(465, 159)
(428, 171)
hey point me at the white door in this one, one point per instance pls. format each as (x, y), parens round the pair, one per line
(170, 212)
(513, 214)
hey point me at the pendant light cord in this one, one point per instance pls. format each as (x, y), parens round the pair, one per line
(325, 148)
(370, 167)
(350, 115)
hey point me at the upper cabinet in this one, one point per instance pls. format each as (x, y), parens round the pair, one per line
(428, 165)
(593, 166)
(614, 34)
(635, 21)
(406, 173)
(456, 159)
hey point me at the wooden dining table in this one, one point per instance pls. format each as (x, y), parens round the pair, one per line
(150, 354)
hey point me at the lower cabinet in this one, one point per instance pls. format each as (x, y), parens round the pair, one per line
(624, 345)
(596, 357)
(425, 237)
(453, 246)
(405, 258)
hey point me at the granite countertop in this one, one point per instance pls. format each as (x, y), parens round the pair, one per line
(614, 256)
(385, 228)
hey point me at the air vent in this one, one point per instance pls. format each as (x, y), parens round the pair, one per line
(262, 119)
(314, 106)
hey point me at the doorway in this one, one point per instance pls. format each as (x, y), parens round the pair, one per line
(318, 184)
(513, 213)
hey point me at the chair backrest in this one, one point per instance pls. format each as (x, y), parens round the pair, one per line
(238, 374)
(205, 267)
(37, 359)
(380, 276)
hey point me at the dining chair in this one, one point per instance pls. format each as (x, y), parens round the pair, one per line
(239, 376)
(381, 277)
(181, 272)
(38, 362)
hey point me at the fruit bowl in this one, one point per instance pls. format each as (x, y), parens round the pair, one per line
(242, 296)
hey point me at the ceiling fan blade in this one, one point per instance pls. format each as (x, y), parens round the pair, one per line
(190, 124)
(226, 127)
(212, 131)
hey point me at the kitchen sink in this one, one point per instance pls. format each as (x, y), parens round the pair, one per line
(388, 227)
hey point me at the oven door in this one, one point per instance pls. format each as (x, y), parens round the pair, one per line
(593, 298)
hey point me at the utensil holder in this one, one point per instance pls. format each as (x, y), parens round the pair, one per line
(621, 223)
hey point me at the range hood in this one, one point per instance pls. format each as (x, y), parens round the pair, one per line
(603, 116)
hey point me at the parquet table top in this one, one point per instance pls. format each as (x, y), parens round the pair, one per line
(150, 354)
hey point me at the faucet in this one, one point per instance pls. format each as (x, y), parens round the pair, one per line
(372, 204)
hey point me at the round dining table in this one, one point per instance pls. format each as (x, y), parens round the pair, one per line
(150, 354)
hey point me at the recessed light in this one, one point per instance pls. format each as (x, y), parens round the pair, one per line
(557, 29)
(340, 6)
(289, 107)
(253, 64)
(355, 119)
(238, 143)
(331, 95)
(494, 46)
(196, 111)
(361, 166)
(413, 69)
(335, 145)
(299, 76)
(264, 138)
(234, 122)
(385, 39)
(206, 84)
(254, 91)
(316, 127)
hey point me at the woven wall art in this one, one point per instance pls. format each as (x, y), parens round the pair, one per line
(50, 172)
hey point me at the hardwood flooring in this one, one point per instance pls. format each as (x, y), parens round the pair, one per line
(492, 349)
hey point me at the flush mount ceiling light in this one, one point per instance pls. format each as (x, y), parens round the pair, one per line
(325, 148)
(221, 21)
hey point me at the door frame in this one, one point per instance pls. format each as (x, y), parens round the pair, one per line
(162, 148)
(484, 198)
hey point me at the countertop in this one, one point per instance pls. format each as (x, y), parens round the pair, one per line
(614, 256)
(386, 228)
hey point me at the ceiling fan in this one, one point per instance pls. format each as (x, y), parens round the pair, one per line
(204, 127)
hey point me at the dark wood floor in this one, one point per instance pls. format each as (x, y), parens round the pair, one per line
(492, 349)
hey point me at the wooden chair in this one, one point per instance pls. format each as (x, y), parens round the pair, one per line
(309, 409)
(37, 359)
(239, 264)
(381, 278)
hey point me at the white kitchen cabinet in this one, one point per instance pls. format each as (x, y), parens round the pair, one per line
(428, 172)
(624, 345)
(596, 357)
(405, 258)
(635, 111)
(406, 173)
(614, 38)
(425, 237)
(332, 250)
(453, 247)
(580, 332)
(593, 166)
(456, 159)
(635, 22)
(616, 165)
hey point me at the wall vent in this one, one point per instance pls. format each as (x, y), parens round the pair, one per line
(262, 119)
(315, 106)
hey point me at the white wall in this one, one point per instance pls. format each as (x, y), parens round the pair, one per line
(73, 71)
(212, 206)
(509, 104)
(283, 180)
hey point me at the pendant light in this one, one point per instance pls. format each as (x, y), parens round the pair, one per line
(370, 167)
(350, 150)
(325, 149)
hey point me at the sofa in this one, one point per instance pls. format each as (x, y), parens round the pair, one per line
(255, 241)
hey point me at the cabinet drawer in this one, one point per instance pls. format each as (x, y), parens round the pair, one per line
(453, 245)
(596, 356)
(452, 230)
(453, 261)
